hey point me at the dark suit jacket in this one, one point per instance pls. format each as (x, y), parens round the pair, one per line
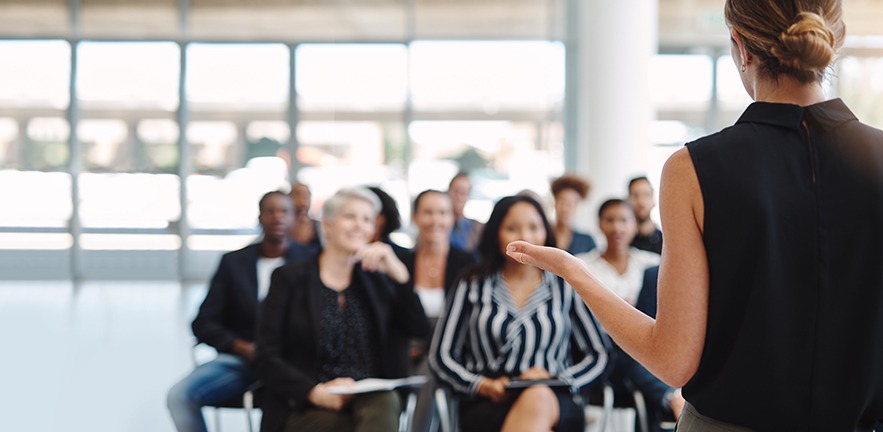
(289, 324)
(580, 243)
(647, 297)
(230, 307)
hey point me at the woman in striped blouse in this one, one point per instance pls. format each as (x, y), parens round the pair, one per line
(507, 321)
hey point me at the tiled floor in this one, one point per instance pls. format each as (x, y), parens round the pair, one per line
(97, 357)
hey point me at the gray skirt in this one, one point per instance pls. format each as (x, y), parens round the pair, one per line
(692, 421)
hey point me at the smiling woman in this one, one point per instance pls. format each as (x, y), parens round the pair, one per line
(346, 304)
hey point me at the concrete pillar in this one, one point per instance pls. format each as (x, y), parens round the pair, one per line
(610, 46)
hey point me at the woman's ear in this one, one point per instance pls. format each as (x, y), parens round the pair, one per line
(745, 57)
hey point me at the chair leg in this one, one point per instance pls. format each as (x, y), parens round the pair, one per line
(218, 419)
(408, 412)
(641, 412)
(607, 409)
(444, 411)
(248, 405)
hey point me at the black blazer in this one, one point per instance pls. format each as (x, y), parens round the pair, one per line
(647, 297)
(230, 307)
(458, 261)
(287, 343)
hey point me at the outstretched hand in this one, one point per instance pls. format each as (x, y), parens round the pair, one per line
(547, 258)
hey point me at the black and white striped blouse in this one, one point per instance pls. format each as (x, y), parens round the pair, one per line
(485, 334)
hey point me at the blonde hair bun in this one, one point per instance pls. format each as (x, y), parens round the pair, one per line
(807, 45)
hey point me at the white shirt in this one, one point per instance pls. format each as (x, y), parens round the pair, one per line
(626, 285)
(432, 299)
(265, 270)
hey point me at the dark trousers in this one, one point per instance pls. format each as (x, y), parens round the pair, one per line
(369, 412)
(628, 375)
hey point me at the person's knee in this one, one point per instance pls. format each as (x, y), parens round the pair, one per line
(181, 395)
(381, 406)
(538, 400)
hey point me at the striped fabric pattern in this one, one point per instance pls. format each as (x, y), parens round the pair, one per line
(485, 334)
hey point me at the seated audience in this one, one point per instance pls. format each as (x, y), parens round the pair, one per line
(226, 317)
(305, 229)
(466, 232)
(326, 323)
(568, 190)
(622, 268)
(648, 237)
(506, 321)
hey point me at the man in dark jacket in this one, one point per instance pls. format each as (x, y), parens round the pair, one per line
(227, 317)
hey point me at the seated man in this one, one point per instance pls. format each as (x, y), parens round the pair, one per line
(227, 316)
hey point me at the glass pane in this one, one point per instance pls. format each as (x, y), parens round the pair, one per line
(39, 199)
(339, 154)
(9, 148)
(128, 75)
(157, 141)
(130, 241)
(502, 157)
(211, 146)
(861, 87)
(238, 77)
(267, 138)
(129, 200)
(46, 145)
(40, 76)
(105, 145)
(351, 77)
(487, 76)
(231, 201)
(681, 81)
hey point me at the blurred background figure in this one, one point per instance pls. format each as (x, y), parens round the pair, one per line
(466, 232)
(327, 322)
(621, 267)
(569, 190)
(226, 319)
(305, 229)
(648, 237)
(435, 266)
(388, 221)
(508, 321)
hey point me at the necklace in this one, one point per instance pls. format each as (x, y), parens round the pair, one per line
(432, 267)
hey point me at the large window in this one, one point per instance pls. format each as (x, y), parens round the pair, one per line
(128, 95)
(34, 151)
(488, 77)
(238, 98)
(861, 86)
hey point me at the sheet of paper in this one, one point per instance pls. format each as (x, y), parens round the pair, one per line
(369, 385)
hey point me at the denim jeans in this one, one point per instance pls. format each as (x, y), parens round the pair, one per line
(219, 381)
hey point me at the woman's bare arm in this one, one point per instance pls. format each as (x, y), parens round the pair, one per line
(670, 346)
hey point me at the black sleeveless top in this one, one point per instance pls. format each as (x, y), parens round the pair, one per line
(794, 237)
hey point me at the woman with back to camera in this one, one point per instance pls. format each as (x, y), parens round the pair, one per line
(507, 321)
(771, 284)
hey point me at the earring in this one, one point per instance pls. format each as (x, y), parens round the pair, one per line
(743, 68)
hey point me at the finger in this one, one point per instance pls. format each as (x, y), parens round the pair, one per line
(519, 251)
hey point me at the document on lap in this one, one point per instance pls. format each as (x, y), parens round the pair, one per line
(369, 385)
(523, 384)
